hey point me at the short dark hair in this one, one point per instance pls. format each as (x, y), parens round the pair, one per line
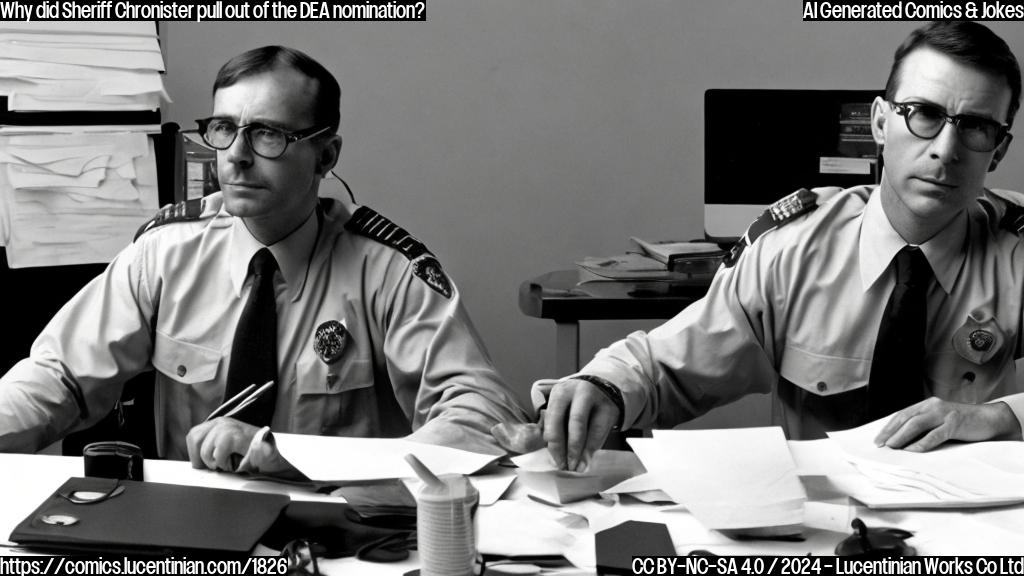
(327, 107)
(968, 43)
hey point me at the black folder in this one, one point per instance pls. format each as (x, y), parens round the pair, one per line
(149, 518)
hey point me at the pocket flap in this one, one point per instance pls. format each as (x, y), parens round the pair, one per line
(314, 376)
(183, 361)
(822, 374)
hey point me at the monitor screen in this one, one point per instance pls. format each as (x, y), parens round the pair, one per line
(760, 145)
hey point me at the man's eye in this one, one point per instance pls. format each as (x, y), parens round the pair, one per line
(975, 125)
(222, 127)
(265, 133)
(927, 112)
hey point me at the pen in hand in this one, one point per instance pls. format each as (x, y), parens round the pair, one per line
(240, 401)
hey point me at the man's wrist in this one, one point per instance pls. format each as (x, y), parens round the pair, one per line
(1004, 422)
(611, 391)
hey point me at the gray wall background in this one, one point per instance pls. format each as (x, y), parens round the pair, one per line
(514, 137)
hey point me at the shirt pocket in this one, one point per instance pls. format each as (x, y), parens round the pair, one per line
(952, 377)
(335, 399)
(184, 362)
(823, 374)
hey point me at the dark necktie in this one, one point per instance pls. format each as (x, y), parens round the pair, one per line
(897, 369)
(254, 350)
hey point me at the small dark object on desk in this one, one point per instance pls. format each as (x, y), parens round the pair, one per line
(875, 542)
(617, 545)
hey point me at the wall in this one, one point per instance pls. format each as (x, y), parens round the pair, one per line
(516, 137)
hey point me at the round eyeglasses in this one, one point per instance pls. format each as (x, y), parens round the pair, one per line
(975, 133)
(265, 141)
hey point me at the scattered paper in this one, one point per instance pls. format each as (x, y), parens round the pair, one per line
(734, 479)
(954, 475)
(338, 459)
(538, 472)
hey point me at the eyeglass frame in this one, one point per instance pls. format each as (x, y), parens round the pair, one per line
(290, 136)
(906, 109)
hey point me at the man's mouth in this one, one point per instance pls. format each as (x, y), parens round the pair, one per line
(940, 182)
(245, 185)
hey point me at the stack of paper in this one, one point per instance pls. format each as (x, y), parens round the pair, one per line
(953, 476)
(74, 198)
(76, 194)
(740, 479)
(46, 66)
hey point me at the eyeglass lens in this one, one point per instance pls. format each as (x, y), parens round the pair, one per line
(977, 134)
(264, 140)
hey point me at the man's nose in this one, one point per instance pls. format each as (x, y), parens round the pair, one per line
(239, 152)
(946, 145)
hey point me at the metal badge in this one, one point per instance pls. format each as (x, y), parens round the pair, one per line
(429, 270)
(981, 340)
(978, 340)
(329, 341)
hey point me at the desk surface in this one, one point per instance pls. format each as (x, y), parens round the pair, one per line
(28, 479)
(560, 295)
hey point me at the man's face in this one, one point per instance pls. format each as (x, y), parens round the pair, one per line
(928, 182)
(280, 192)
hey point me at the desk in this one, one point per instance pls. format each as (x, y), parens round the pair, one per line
(28, 479)
(559, 296)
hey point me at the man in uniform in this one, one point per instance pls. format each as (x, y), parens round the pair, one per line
(852, 304)
(352, 318)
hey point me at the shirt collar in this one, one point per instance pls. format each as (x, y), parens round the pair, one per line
(879, 243)
(293, 254)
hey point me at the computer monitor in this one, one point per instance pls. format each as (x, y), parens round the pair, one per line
(760, 145)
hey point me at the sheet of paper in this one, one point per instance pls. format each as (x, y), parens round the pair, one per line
(645, 487)
(491, 486)
(729, 479)
(522, 528)
(818, 458)
(537, 471)
(337, 459)
(954, 475)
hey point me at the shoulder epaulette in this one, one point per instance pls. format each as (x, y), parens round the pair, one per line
(1012, 204)
(367, 222)
(185, 211)
(785, 210)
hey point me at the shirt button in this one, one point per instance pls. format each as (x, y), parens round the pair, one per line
(822, 386)
(182, 370)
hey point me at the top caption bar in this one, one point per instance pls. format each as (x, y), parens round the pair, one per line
(215, 10)
(902, 10)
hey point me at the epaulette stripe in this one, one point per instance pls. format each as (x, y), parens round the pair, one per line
(779, 213)
(184, 211)
(369, 223)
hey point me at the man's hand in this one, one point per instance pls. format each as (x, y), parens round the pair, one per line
(931, 422)
(577, 421)
(219, 444)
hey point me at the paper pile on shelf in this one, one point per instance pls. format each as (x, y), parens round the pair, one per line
(64, 66)
(73, 198)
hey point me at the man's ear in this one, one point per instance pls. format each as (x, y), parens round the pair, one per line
(878, 120)
(329, 155)
(1000, 152)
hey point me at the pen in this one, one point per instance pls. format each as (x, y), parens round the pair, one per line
(230, 402)
(250, 399)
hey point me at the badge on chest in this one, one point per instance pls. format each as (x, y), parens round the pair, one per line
(977, 341)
